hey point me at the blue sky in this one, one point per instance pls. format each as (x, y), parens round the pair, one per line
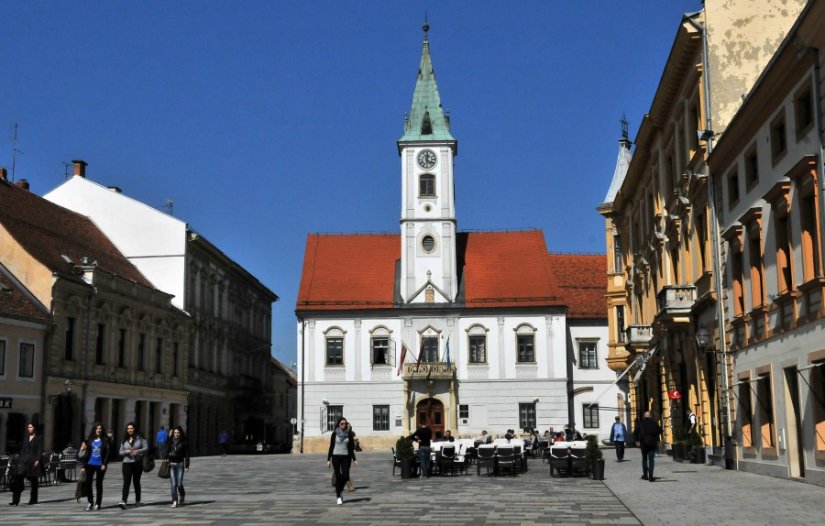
(267, 120)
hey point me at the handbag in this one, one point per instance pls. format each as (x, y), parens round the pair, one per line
(80, 487)
(148, 463)
(163, 470)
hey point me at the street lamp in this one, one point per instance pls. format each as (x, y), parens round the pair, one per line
(68, 384)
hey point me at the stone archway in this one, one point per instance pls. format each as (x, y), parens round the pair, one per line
(430, 411)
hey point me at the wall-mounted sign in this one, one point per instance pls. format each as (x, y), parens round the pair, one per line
(5, 403)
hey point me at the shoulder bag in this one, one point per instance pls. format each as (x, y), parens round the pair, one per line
(163, 470)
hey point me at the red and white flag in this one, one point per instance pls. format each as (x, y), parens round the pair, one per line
(401, 361)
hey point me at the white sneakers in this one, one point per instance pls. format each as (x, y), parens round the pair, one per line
(340, 501)
(89, 507)
(174, 504)
(97, 507)
(121, 505)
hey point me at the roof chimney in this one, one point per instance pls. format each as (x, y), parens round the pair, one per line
(80, 168)
(23, 183)
(3, 174)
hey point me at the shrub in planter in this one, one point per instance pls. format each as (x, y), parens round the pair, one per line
(595, 458)
(695, 448)
(405, 453)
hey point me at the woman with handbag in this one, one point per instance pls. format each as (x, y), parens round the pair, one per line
(133, 448)
(341, 454)
(95, 458)
(28, 466)
(178, 457)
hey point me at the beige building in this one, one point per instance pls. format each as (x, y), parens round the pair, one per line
(767, 173)
(116, 350)
(659, 226)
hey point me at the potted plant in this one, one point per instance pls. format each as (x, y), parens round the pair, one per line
(695, 448)
(595, 458)
(405, 454)
(679, 448)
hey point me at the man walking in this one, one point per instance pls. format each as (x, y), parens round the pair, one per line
(423, 435)
(647, 436)
(618, 435)
(223, 442)
(160, 443)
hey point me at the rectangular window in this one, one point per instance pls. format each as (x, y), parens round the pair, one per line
(765, 401)
(426, 185)
(478, 349)
(26, 369)
(618, 265)
(738, 285)
(380, 418)
(779, 138)
(429, 349)
(159, 355)
(803, 111)
(590, 416)
(818, 392)
(141, 352)
(783, 254)
(464, 411)
(733, 188)
(527, 416)
(380, 351)
(121, 348)
(746, 412)
(751, 169)
(810, 236)
(526, 352)
(620, 327)
(175, 358)
(2, 357)
(757, 283)
(335, 351)
(587, 355)
(334, 413)
(68, 353)
(99, 344)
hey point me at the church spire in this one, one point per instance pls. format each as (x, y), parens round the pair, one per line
(622, 164)
(426, 120)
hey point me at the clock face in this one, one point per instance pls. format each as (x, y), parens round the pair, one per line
(426, 159)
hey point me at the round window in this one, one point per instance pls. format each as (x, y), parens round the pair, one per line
(428, 243)
(427, 208)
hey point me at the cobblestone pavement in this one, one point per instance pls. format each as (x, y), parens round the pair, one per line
(295, 489)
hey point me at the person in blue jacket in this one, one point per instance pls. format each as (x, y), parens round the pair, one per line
(618, 435)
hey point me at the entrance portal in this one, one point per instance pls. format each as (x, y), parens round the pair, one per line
(430, 411)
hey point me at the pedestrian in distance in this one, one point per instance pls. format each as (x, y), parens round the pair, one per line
(28, 466)
(178, 456)
(132, 449)
(618, 435)
(223, 442)
(691, 421)
(340, 455)
(647, 437)
(424, 436)
(160, 443)
(94, 453)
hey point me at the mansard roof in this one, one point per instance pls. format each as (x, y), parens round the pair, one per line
(48, 232)
(496, 270)
(581, 278)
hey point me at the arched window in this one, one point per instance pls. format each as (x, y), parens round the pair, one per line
(335, 346)
(477, 344)
(426, 185)
(525, 343)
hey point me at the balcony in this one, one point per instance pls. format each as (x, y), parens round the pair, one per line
(429, 371)
(638, 336)
(675, 303)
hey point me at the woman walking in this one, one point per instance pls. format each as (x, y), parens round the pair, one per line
(341, 453)
(178, 456)
(95, 458)
(28, 466)
(132, 450)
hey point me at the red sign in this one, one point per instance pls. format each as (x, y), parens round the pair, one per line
(673, 394)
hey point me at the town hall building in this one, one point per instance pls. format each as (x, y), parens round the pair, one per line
(463, 331)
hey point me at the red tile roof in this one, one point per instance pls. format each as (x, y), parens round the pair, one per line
(48, 231)
(582, 279)
(500, 269)
(16, 303)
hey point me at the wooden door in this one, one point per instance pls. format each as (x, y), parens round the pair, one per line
(431, 412)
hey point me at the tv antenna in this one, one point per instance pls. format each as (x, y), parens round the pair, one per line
(169, 206)
(14, 151)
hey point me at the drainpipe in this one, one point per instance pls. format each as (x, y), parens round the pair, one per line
(819, 128)
(303, 382)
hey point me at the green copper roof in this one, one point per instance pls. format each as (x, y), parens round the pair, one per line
(426, 120)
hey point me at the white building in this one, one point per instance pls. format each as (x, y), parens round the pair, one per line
(229, 383)
(463, 331)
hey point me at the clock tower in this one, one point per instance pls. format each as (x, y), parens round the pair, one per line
(428, 271)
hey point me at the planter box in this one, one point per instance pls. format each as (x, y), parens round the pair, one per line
(679, 452)
(697, 455)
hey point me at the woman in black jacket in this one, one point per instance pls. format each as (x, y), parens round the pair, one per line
(178, 456)
(341, 453)
(94, 455)
(28, 466)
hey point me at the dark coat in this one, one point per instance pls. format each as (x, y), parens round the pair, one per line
(647, 433)
(30, 453)
(178, 451)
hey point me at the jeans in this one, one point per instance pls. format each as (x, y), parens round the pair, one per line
(341, 465)
(648, 456)
(90, 473)
(619, 449)
(131, 474)
(424, 460)
(176, 477)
